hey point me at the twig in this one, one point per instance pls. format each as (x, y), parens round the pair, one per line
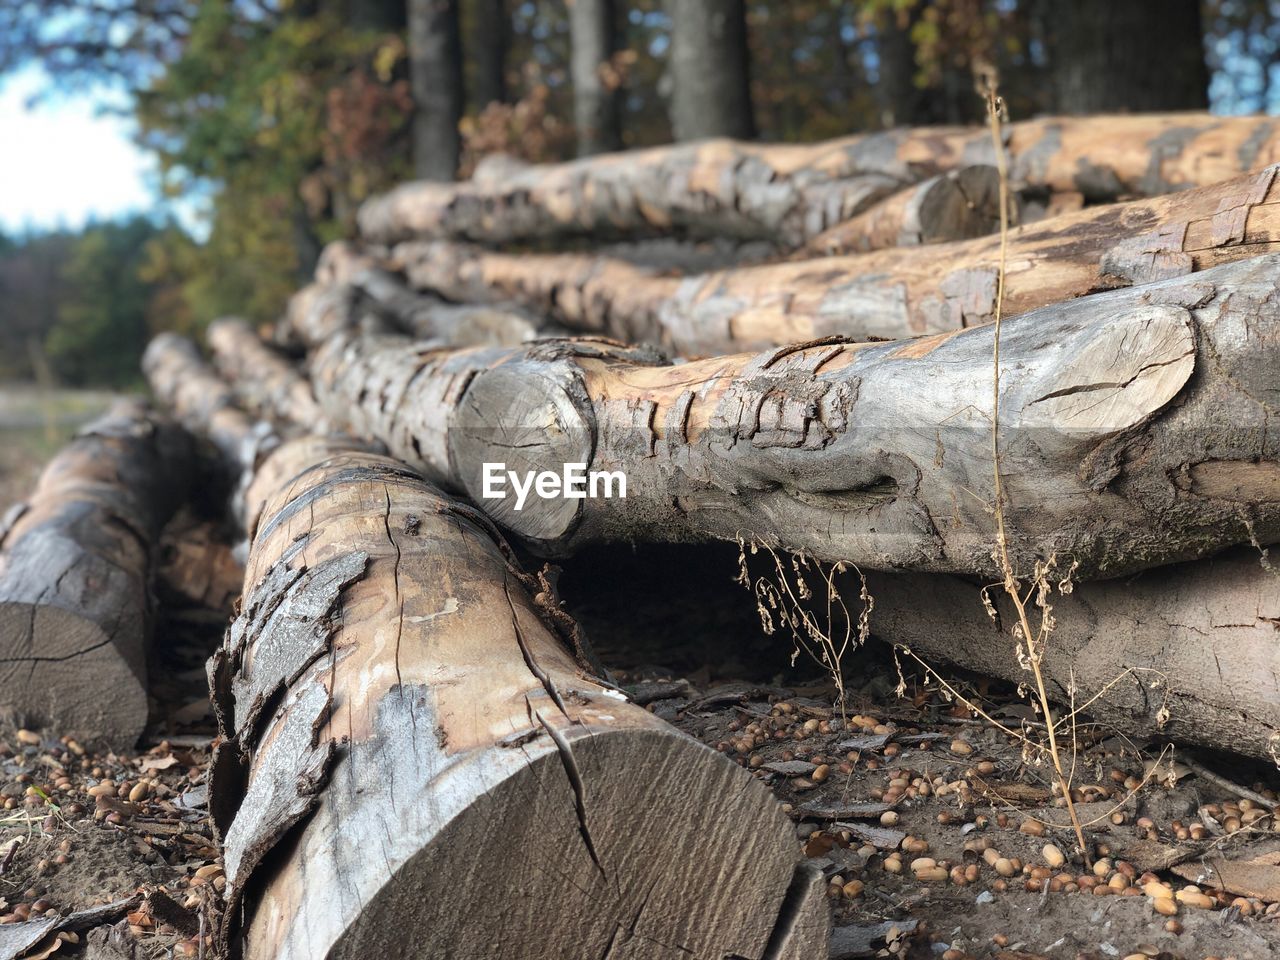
(995, 108)
(1204, 773)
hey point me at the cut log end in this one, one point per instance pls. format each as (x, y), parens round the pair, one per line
(62, 669)
(621, 844)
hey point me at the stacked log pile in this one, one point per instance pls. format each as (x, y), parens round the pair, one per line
(396, 681)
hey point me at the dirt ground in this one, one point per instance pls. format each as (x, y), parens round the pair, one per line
(932, 826)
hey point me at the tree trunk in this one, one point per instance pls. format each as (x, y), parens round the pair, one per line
(410, 707)
(1095, 66)
(888, 294)
(435, 74)
(711, 83)
(76, 575)
(596, 108)
(789, 193)
(1197, 640)
(262, 380)
(1116, 450)
(490, 41)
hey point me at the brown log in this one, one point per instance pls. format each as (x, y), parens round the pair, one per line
(425, 754)
(1134, 432)
(791, 193)
(76, 573)
(887, 294)
(1186, 653)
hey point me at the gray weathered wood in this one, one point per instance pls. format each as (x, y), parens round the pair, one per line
(1186, 652)
(1134, 432)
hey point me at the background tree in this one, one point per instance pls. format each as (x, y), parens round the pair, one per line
(710, 76)
(1142, 55)
(594, 36)
(489, 40)
(435, 70)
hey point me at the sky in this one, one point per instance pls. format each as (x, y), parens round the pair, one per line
(63, 162)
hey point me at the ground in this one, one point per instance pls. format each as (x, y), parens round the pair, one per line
(930, 824)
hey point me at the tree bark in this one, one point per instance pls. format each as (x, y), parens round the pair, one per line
(789, 193)
(401, 688)
(888, 294)
(710, 73)
(596, 109)
(490, 41)
(1133, 433)
(1196, 640)
(435, 75)
(1095, 65)
(76, 574)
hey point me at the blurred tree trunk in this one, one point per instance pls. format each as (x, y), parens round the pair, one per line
(490, 42)
(1140, 55)
(710, 70)
(596, 114)
(435, 72)
(902, 103)
(379, 15)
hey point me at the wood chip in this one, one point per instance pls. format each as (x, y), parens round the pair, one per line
(791, 768)
(848, 810)
(882, 838)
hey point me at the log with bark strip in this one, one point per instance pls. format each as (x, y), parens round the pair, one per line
(792, 193)
(424, 753)
(1134, 432)
(1186, 652)
(886, 294)
(76, 573)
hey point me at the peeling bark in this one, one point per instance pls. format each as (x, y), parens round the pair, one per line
(1133, 431)
(790, 193)
(886, 294)
(1196, 640)
(410, 712)
(76, 573)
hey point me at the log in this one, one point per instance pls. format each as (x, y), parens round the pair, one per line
(202, 401)
(374, 300)
(790, 193)
(76, 573)
(886, 294)
(1133, 433)
(205, 404)
(1185, 653)
(957, 205)
(425, 754)
(261, 378)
